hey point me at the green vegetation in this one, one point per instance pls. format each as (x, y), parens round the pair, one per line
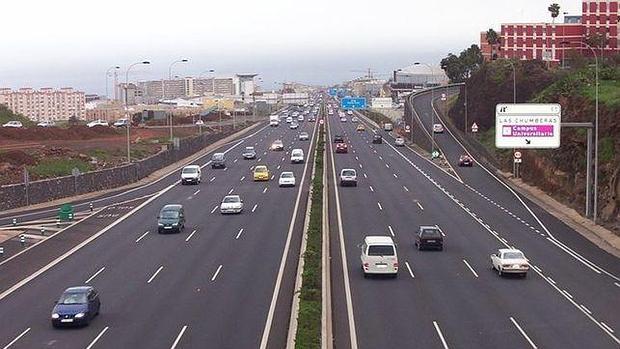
(606, 149)
(309, 320)
(7, 115)
(460, 68)
(608, 93)
(376, 117)
(57, 167)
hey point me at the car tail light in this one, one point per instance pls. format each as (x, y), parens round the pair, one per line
(396, 265)
(366, 265)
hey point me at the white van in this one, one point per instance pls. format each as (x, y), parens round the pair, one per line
(191, 174)
(274, 120)
(388, 126)
(378, 256)
(297, 156)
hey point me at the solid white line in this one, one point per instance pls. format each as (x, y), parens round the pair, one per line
(254, 208)
(231, 190)
(470, 268)
(406, 189)
(265, 190)
(536, 268)
(215, 208)
(94, 275)
(583, 261)
(17, 338)
(176, 341)
(420, 205)
(239, 234)
(523, 332)
(105, 329)
(443, 341)
(391, 230)
(190, 235)
(371, 189)
(379, 204)
(196, 192)
(607, 327)
(216, 273)
(410, 271)
(154, 275)
(617, 284)
(142, 236)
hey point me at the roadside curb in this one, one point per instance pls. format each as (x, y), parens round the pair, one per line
(327, 336)
(598, 235)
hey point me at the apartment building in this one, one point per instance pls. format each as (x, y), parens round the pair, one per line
(45, 103)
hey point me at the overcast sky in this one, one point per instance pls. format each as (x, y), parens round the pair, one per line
(73, 42)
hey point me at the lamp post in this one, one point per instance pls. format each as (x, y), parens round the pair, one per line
(107, 74)
(127, 106)
(163, 89)
(432, 109)
(595, 212)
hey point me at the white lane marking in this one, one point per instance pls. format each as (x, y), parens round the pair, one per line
(231, 190)
(394, 174)
(176, 341)
(254, 208)
(386, 165)
(356, 158)
(225, 168)
(420, 205)
(537, 269)
(258, 160)
(196, 192)
(361, 166)
(142, 236)
(365, 176)
(265, 190)
(278, 167)
(380, 157)
(568, 294)
(105, 329)
(242, 178)
(155, 274)
(239, 234)
(236, 160)
(443, 341)
(409, 269)
(406, 189)
(470, 268)
(216, 273)
(282, 159)
(391, 230)
(523, 333)
(551, 280)
(371, 189)
(273, 176)
(212, 179)
(215, 208)
(617, 284)
(584, 261)
(17, 338)
(94, 275)
(586, 309)
(607, 327)
(380, 207)
(190, 235)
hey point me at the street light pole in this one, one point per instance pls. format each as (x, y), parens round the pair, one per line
(595, 211)
(127, 107)
(107, 74)
(163, 87)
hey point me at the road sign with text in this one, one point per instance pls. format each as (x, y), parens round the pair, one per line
(527, 125)
(353, 103)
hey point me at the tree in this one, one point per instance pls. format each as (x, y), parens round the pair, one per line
(598, 40)
(459, 68)
(492, 40)
(554, 9)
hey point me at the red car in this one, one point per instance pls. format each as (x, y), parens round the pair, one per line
(342, 148)
(465, 160)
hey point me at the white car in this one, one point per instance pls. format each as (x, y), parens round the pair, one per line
(289, 120)
(120, 123)
(437, 128)
(13, 124)
(231, 204)
(510, 261)
(277, 145)
(355, 119)
(200, 123)
(348, 176)
(300, 118)
(191, 174)
(349, 112)
(378, 256)
(399, 142)
(343, 119)
(98, 122)
(294, 126)
(304, 136)
(47, 123)
(297, 156)
(287, 179)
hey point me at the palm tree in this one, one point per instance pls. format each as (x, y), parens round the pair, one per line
(492, 39)
(554, 9)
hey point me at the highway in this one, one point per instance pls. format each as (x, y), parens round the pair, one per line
(452, 299)
(225, 280)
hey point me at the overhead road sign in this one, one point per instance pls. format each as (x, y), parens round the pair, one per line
(353, 103)
(528, 125)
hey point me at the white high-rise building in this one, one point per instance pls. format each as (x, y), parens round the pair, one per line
(46, 103)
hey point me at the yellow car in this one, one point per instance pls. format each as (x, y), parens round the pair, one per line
(361, 128)
(261, 173)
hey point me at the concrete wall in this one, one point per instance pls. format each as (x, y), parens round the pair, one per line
(13, 196)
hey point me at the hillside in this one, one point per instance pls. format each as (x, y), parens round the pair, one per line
(560, 172)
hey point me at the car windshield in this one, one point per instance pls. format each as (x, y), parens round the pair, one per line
(231, 199)
(249, 149)
(297, 153)
(513, 255)
(380, 250)
(190, 170)
(72, 298)
(348, 173)
(431, 233)
(218, 156)
(169, 214)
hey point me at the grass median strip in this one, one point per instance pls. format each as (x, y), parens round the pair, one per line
(309, 319)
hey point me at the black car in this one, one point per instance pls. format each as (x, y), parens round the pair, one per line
(218, 160)
(429, 237)
(76, 307)
(171, 219)
(338, 139)
(377, 139)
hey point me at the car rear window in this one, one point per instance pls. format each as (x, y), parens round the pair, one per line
(380, 250)
(231, 199)
(169, 214)
(431, 233)
(348, 173)
(513, 255)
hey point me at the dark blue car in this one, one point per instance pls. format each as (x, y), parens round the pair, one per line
(76, 307)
